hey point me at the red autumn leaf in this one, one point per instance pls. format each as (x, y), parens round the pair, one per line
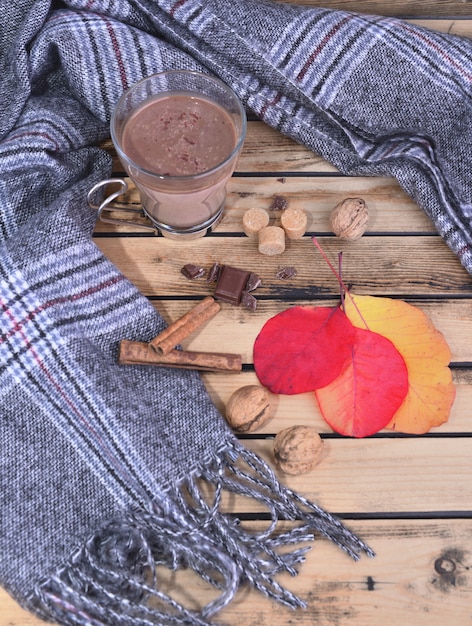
(369, 390)
(302, 349)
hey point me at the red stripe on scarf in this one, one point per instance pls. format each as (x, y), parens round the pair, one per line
(320, 47)
(176, 6)
(270, 104)
(47, 305)
(437, 49)
(117, 51)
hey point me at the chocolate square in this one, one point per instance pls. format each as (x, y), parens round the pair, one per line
(253, 282)
(231, 284)
(192, 271)
(248, 300)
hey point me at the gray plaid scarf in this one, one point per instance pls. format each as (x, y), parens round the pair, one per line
(101, 464)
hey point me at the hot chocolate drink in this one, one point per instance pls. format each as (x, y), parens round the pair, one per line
(178, 135)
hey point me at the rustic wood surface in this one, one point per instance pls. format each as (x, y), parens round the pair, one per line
(409, 497)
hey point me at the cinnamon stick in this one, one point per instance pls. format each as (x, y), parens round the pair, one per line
(141, 353)
(185, 325)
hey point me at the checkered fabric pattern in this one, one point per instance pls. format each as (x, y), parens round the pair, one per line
(96, 457)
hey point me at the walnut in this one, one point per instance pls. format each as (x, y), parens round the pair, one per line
(248, 408)
(297, 450)
(349, 218)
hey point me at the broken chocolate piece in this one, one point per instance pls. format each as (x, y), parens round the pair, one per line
(279, 203)
(248, 300)
(192, 271)
(231, 284)
(253, 282)
(286, 272)
(213, 273)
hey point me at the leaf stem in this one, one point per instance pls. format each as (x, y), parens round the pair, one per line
(340, 271)
(343, 289)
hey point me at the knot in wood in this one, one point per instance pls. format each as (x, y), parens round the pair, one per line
(444, 566)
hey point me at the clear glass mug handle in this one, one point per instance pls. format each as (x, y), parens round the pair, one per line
(104, 205)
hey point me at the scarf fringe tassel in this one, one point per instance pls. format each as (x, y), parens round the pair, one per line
(113, 578)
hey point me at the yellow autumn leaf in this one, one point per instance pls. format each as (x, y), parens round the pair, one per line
(425, 351)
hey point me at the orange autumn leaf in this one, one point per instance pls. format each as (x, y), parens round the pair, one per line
(425, 351)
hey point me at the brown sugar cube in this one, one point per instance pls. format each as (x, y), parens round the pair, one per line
(253, 220)
(271, 240)
(294, 223)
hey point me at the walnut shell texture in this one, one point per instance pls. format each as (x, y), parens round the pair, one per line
(297, 450)
(349, 218)
(248, 408)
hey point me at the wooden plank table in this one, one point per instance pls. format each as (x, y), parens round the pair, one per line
(409, 497)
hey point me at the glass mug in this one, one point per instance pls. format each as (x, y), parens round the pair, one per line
(178, 135)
